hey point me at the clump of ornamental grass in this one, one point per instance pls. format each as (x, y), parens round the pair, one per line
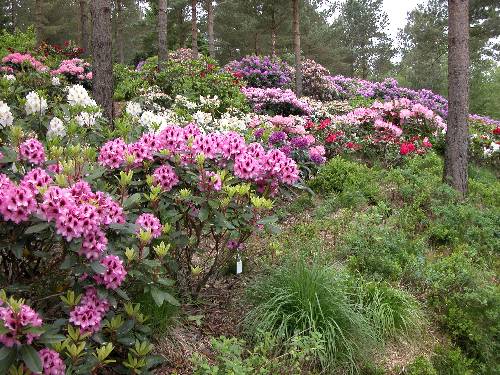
(312, 300)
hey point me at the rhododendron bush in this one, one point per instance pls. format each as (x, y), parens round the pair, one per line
(264, 72)
(209, 193)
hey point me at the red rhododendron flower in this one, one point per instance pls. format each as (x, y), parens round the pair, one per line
(323, 124)
(496, 131)
(406, 148)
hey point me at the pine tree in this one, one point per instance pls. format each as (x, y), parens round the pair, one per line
(296, 47)
(210, 28)
(84, 27)
(455, 160)
(194, 29)
(102, 81)
(162, 34)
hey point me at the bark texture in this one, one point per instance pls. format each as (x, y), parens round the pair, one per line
(455, 160)
(194, 29)
(39, 21)
(210, 27)
(162, 34)
(296, 47)
(119, 31)
(84, 27)
(102, 81)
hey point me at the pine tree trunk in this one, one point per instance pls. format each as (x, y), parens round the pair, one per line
(102, 81)
(119, 31)
(162, 34)
(39, 22)
(296, 47)
(84, 27)
(455, 160)
(194, 29)
(210, 27)
(273, 34)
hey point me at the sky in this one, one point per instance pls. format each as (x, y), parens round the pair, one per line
(397, 10)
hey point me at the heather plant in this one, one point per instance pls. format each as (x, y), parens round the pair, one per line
(262, 71)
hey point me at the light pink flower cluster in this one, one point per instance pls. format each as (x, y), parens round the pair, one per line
(33, 151)
(51, 362)
(88, 314)
(165, 177)
(22, 58)
(74, 67)
(394, 117)
(18, 322)
(188, 142)
(115, 273)
(149, 222)
(276, 99)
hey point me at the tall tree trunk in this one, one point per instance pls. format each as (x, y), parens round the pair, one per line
(39, 21)
(180, 22)
(455, 157)
(296, 47)
(210, 27)
(273, 33)
(119, 30)
(13, 15)
(102, 81)
(162, 34)
(84, 27)
(194, 29)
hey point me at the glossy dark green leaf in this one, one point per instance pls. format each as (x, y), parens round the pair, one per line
(31, 358)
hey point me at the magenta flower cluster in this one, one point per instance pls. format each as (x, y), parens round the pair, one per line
(18, 322)
(33, 151)
(276, 101)
(250, 161)
(149, 223)
(52, 362)
(115, 272)
(88, 314)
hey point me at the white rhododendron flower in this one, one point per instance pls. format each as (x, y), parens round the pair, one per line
(56, 81)
(133, 109)
(35, 104)
(77, 95)
(203, 118)
(6, 118)
(494, 147)
(86, 119)
(10, 77)
(56, 128)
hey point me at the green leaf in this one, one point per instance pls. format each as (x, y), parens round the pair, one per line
(50, 338)
(203, 214)
(122, 294)
(31, 358)
(268, 220)
(37, 228)
(166, 282)
(132, 200)
(7, 357)
(97, 267)
(161, 296)
(125, 327)
(69, 261)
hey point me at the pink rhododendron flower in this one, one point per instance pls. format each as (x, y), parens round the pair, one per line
(165, 177)
(115, 273)
(35, 179)
(112, 153)
(51, 362)
(151, 223)
(17, 203)
(89, 313)
(32, 150)
(16, 322)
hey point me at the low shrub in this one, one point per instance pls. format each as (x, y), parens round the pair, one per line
(451, 361)
(467, 303)
(421, 366)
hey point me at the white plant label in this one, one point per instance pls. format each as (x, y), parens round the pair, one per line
(239, 265)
